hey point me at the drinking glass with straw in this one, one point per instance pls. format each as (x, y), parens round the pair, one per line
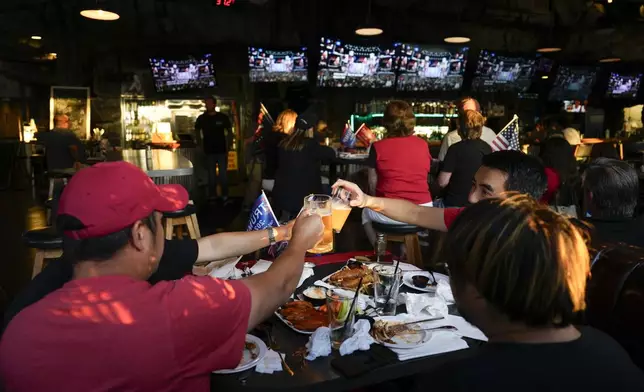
(342, 310)
(386, 285)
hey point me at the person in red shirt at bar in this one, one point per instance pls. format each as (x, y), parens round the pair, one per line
(500, 172)
(399, 164)
(564, 183)
(109, 329)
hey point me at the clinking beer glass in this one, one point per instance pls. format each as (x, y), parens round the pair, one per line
(321, 205)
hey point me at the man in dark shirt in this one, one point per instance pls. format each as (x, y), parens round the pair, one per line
(62, 147)
(215, 130)
(611, 193)
(518, 271)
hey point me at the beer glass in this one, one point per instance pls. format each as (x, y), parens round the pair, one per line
(321, 205)
(340, 211)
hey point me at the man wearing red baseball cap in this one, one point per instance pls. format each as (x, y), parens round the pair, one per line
(114, 330)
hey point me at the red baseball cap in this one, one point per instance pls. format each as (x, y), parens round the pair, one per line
(108, 197)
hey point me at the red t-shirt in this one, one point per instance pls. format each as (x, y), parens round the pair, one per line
(554, 183)
(450, 214)
(402, 165)
(120, 334)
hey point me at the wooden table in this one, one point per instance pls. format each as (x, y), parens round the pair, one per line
(319, 375)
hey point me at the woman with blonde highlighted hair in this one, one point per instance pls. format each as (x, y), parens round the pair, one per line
(282, 128)
(518, 272)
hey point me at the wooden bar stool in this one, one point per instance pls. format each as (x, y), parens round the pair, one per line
(406, 234)
(48, 244)
(176, 220)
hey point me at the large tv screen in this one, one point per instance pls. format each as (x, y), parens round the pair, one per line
(183, 74)
(423, 68)
(497, 72)
(623, 86)
(351, 65)
(268, 65)
(573, 83)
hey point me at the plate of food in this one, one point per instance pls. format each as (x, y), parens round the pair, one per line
(349, 276)
(254, 351)
(397, 334)
(423, 280)
(303, 317)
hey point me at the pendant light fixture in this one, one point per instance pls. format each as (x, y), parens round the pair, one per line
(369, 28)
(455, 34)
(610, 59)
(99, 13)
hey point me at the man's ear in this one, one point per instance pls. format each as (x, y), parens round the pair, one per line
(138, 235)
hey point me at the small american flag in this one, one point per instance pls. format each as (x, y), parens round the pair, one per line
(508, 138)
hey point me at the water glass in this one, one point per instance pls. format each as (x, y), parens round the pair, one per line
(386, 286)
(340, 319)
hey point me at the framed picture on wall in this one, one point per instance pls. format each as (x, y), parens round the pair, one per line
(74, 103)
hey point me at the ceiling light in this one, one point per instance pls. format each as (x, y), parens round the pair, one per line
(609, 1)
(99, 14)
(551, 49)
(544, 77)
(610, 60)
(36, 37)
(369, 31)
(457, 40)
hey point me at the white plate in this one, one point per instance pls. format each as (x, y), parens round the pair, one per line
(247, 362)
(429, 289)
(408, 340)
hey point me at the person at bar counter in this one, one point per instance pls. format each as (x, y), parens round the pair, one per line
(298, 167)
(63, 148)
(500, 172)
(453, 137)
(463, 159)
(518, 272)
(215, 131)
(399, 165)
(109, 329)
(611, 193)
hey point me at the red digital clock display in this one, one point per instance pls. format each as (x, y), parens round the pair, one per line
(225, 3)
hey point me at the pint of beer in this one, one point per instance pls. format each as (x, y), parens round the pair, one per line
(340, 211)
(321, 205)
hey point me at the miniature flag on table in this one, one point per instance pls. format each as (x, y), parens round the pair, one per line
(348, 137)
(262, 218)
(508, 138)
(365, 135)
(261, 215)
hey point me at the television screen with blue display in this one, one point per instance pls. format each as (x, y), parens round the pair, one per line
(186, 73)
(430, 68)
(271, 65)
(498, 72)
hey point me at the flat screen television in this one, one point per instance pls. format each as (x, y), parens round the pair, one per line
(573, 83)
(269, 65)
(183, 74)
(623, 86)
(354, 65)
(574, 106)
(425, 68)
(497, 72)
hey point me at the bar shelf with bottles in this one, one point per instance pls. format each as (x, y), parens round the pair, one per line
(432, 118)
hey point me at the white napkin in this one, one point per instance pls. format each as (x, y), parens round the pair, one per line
(319, 344)
(227, 271)
(270, 364)
(440, 342)
(361, 339)
(425, 305)
(444, 290)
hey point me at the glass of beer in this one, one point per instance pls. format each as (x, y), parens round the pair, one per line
(340, 210)
(321, 205)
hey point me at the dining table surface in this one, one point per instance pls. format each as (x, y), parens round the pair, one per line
(156, 162)
(320, 375)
